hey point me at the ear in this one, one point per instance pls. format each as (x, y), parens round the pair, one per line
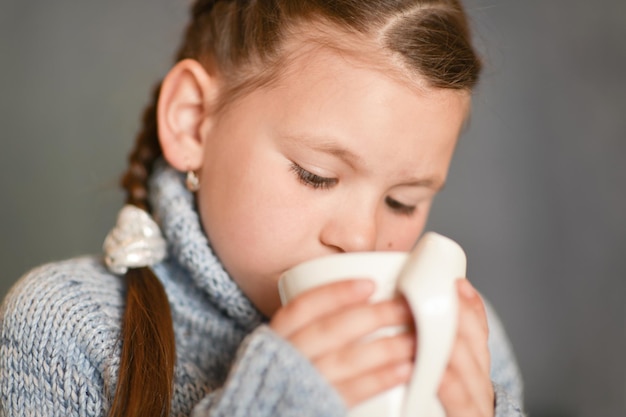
(187, 96)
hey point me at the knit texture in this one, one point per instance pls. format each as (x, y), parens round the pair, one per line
(60, 329)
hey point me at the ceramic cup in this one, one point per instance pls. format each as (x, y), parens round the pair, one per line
(425, 277)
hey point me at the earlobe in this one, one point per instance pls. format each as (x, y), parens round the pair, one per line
(184, 108)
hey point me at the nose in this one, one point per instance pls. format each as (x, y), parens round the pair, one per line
(350, 229)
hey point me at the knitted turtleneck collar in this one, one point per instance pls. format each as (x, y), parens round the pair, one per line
(174, 209)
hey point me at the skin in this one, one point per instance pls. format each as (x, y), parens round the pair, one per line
(336, 156)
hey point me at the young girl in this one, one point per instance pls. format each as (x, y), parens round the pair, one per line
(287, 130)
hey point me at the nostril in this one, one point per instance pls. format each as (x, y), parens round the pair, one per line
(346, 240)
(351, 228)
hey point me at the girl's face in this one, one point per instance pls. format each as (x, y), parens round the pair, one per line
(336, 157)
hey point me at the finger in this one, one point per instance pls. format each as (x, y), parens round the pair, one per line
(473, 327)
(361, 358)
(349, 325)
(472, 298)
(319, 301)
(367, 385)
(454, 398)
(468, 385)
(471, 332)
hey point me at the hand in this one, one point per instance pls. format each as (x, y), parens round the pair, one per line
(466, 389)
(328, 324)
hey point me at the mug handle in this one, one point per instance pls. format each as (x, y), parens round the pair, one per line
(427, 282)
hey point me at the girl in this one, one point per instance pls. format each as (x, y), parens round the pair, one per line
(287, 130)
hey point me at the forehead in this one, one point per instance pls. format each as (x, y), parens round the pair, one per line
(311, 41)
(356, 69)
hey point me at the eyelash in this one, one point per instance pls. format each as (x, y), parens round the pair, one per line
(312, 180)
(398, 207)
(317, 182)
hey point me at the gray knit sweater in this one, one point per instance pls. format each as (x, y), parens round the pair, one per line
(60, 328)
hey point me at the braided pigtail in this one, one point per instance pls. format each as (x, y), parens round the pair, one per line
(146, 375)
(145, 380)
(141, 159)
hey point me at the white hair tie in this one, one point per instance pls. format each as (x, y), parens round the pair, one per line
(135, 241)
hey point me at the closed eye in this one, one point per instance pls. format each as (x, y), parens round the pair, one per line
(399, 207)
(312, 180)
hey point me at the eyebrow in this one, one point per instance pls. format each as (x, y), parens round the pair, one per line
(430, 182)
(328, 145)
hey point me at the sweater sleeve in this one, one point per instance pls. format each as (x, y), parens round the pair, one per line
(53, 341)
(505, 374)
(271, 378)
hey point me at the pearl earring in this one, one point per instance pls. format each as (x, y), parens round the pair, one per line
(192, 181)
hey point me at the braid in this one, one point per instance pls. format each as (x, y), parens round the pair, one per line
(145, 380)
(142, 157)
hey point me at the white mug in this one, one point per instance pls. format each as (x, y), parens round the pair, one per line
(425, 277)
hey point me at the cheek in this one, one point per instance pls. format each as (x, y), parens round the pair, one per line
(244, 218)
(405, 239)
(401, 234)
(251, 227)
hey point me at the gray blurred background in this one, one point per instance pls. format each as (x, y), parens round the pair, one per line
(536, 196)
